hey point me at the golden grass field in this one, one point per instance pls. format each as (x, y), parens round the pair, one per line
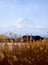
(28, 53)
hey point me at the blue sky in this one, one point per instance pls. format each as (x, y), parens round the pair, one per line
(24, 16)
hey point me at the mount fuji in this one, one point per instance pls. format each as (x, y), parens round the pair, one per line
(23, 26)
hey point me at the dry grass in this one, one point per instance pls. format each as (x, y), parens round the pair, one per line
(33, 53)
